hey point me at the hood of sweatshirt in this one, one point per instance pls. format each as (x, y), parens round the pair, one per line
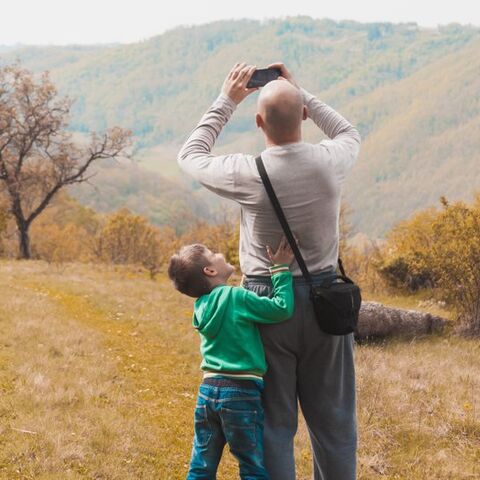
(209, 311)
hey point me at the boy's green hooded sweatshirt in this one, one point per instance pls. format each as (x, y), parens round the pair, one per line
(226, 319)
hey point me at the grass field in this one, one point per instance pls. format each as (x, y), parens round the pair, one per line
(99, 371)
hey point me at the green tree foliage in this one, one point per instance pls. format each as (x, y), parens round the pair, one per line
(440, 249)
(158, 87)
(413, 93)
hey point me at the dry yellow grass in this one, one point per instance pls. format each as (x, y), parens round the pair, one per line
(99, 371)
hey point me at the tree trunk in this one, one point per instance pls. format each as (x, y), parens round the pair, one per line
(24, 239)
(379, 321)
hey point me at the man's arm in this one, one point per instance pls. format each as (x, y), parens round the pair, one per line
(330, 122)
(217, 173)
(344, 143)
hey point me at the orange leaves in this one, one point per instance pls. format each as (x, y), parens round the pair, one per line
(440, 249)
(128, 238)
(222, 238)
(57, 244)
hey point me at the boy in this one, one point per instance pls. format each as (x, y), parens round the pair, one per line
(229, 408)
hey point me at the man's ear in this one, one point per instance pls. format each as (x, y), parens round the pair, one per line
(209, 271)
(259, 120)
(305, 113)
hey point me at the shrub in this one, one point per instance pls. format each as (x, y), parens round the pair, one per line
(129, 239)
(440, 249)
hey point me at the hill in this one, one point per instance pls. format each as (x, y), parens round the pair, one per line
(162, 201)
(413, 92)
(423, 141)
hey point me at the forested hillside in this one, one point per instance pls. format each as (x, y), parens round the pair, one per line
(413, 93)
(128, 185)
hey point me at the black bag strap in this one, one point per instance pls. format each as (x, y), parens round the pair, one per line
(281, 218)
(340, 266)
(283, 222)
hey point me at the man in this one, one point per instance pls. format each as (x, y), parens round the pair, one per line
(305, 365)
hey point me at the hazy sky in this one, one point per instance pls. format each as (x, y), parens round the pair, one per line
(101, 21)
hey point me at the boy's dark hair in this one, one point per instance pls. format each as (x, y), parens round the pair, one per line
(186, 270)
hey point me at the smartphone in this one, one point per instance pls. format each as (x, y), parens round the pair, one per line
(262, 76)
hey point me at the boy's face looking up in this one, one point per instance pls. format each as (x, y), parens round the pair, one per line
(218, 271)
(195, 270)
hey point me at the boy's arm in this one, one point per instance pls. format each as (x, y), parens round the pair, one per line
(271, 310)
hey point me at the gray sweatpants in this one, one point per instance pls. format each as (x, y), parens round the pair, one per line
(314, 369)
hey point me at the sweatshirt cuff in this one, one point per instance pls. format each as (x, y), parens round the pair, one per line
(307, 97)
(282, 267)
(226, 102)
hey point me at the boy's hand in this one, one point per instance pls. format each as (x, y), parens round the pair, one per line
(284, 253)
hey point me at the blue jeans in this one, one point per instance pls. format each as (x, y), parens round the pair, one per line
(228, 414)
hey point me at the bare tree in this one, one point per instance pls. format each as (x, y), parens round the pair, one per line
(37, 155)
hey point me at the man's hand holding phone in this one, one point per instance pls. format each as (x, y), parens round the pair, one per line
(235, 85)
(244, 79)
(284, 73)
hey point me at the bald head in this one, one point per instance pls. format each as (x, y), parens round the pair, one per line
(281, 111)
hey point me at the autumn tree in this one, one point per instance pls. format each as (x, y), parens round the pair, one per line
(57, 244)
(403, 260)
(167, 244)
(37, 155)
(3, 224)
(127, 238)
(65, 232)
(223, 237)
(440, 249)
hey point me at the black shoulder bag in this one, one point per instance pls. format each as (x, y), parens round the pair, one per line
(336, 301)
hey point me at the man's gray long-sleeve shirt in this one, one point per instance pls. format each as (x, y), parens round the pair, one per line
(307, 179)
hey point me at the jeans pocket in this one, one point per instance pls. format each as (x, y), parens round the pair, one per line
(203, 432)
(239, 427)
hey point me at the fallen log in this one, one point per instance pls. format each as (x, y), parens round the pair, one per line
(379, 321)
